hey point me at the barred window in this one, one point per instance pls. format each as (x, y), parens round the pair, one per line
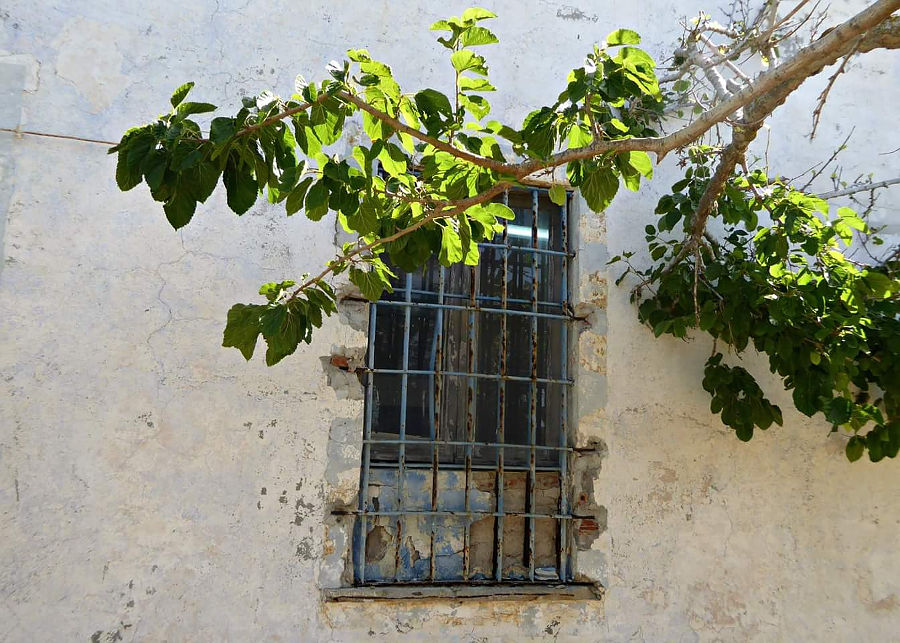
(466, 448)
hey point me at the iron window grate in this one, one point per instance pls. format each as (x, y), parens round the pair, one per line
(465, 445)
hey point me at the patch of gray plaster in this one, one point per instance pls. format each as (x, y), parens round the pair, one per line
(12, 82)
(90, 59)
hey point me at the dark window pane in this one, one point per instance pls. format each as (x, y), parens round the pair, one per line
(550, 357)
(518, 355)
(389, 322)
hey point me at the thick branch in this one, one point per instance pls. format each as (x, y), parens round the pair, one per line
(884, 36)
(809, 61)
(743, 134)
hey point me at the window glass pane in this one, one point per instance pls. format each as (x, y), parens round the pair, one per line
(519, 280)
(389, 322)
(550, 276)
(386, 405)
(422, 339)
(456, 341)
(518, 353)
(518, 231)
(490, 285)
(518, 417)
(488, 340)
(550, 358)
(550, 219)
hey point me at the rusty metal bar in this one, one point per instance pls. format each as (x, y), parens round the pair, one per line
(532, 420)
(464, 443)
(493, 311)
(486, 298)
(471, 389)
(436, 419)
(404, 394)
(460, 467)
(469, 514)
(531, 249)
(499, 482)
(486, 376)
(563, 564)
(362, 524)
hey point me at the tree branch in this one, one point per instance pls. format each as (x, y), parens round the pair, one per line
(441, 211)
(859, 187)
(474, 159)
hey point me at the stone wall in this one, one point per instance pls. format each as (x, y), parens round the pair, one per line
(154, 486)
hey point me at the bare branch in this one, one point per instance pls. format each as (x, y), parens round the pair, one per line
(823, 96)
(818, 172)
(859, 187)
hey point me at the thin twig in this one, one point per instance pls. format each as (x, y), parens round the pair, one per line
(823, 96)
(62, 136)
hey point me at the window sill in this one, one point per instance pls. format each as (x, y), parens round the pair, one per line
(504, 592)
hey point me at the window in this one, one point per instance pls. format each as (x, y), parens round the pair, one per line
(466, 449)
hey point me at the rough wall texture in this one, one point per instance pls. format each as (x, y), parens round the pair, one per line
(153, 486)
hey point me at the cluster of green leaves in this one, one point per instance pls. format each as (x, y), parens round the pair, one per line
(397, 190)
(284, 322)
(829, 326)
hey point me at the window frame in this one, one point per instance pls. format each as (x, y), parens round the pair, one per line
(366, 515)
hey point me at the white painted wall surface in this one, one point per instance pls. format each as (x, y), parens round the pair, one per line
(153, 486)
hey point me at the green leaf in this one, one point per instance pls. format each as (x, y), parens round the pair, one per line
(488, 214)
(297, 196)
(317, 201)
(467, 84)
(370, 284)
(640, 161)
(393, 160)
(474, 36)
(240, 185)
(580, 136)
(451, 246)
(273, 291)
(180, 94)
(186, 109)
(558, 194)
(468, 244)
(477, 14)
(221, 129)
(838, 410)
(599, 188)
(282, 326)
(243, 328)
(623, 37)
(180, 209)
(855, 448)
(154, 168)
(434, 108)
(881, 285)
(128, 175)
(468, 60)
(850, 217)
(476, 105)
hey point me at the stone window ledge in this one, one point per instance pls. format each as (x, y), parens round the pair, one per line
(490, 592)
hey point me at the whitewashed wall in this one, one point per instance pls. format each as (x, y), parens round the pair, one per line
(153, 486)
